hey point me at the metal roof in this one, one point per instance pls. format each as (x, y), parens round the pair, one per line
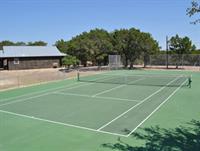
(29, 51)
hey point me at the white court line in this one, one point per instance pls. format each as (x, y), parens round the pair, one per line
(73, 94)
(48, 92)
(156, 108)
(52, 89)
(8, 99)
(37, 96)
(120, 86)
(113, 98)
(59, 123)
(147, 75)
(89, 96)
(116, 87)
(136, 105)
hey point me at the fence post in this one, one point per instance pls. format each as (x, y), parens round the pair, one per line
(167, 53)
(199, 62)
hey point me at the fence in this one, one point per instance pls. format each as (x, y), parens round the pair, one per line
(176, 61)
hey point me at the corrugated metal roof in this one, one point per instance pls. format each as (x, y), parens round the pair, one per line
(29, 51)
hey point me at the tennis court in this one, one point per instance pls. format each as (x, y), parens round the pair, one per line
(112, 103)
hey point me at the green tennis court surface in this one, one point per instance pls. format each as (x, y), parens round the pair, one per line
(96, 108)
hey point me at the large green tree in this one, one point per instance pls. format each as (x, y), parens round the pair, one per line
(180, 46)
(149, 46)
(135, 45)
(132, 44)
(194, 10)
(94, 46)
(98, 43)
(120, 41)
(61, 45)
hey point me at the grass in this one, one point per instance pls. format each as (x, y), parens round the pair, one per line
(71, 115)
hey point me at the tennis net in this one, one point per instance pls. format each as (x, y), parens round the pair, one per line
(139, 79)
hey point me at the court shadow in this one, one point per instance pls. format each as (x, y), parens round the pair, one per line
(182, 138)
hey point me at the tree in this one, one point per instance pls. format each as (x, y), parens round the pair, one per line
(120, 41)
(98, 44)
(37, 43)
(149, 46)
(193, 10)
(180, 46)
(61, 45)
(94, 46)
(6, 43)
(20, 43)
(67, 61)
(135, 45)
(131, 44)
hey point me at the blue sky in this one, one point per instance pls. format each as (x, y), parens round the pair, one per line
(51, 20)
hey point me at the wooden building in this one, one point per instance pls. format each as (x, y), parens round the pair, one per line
(30, 57)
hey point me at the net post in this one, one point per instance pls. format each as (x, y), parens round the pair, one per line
(167, 52)
(190, 81)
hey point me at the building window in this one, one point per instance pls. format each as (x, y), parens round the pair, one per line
(5, 62)
(16, 60)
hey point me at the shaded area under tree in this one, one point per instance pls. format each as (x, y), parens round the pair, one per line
(182, 138)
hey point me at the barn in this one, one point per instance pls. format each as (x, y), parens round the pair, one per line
(30, 57)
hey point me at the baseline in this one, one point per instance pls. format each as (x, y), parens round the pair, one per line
(60, 123)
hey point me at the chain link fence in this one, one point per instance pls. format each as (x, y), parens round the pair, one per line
(185, 61)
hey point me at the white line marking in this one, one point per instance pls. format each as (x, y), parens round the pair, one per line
(147, 75)
(37, 96)
(136, 105)
(59, 123)
(117, 87)
(100, 97)
(73, 94)
(8, 99)
(113, 98)
(156, 109)
(120, 86)
(116, 134)
(46, 90)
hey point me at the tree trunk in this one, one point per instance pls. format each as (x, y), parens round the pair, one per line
(144, 61)
(131, 65)
(126, 62)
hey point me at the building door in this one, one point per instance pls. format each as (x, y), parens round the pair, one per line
(1, 63)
